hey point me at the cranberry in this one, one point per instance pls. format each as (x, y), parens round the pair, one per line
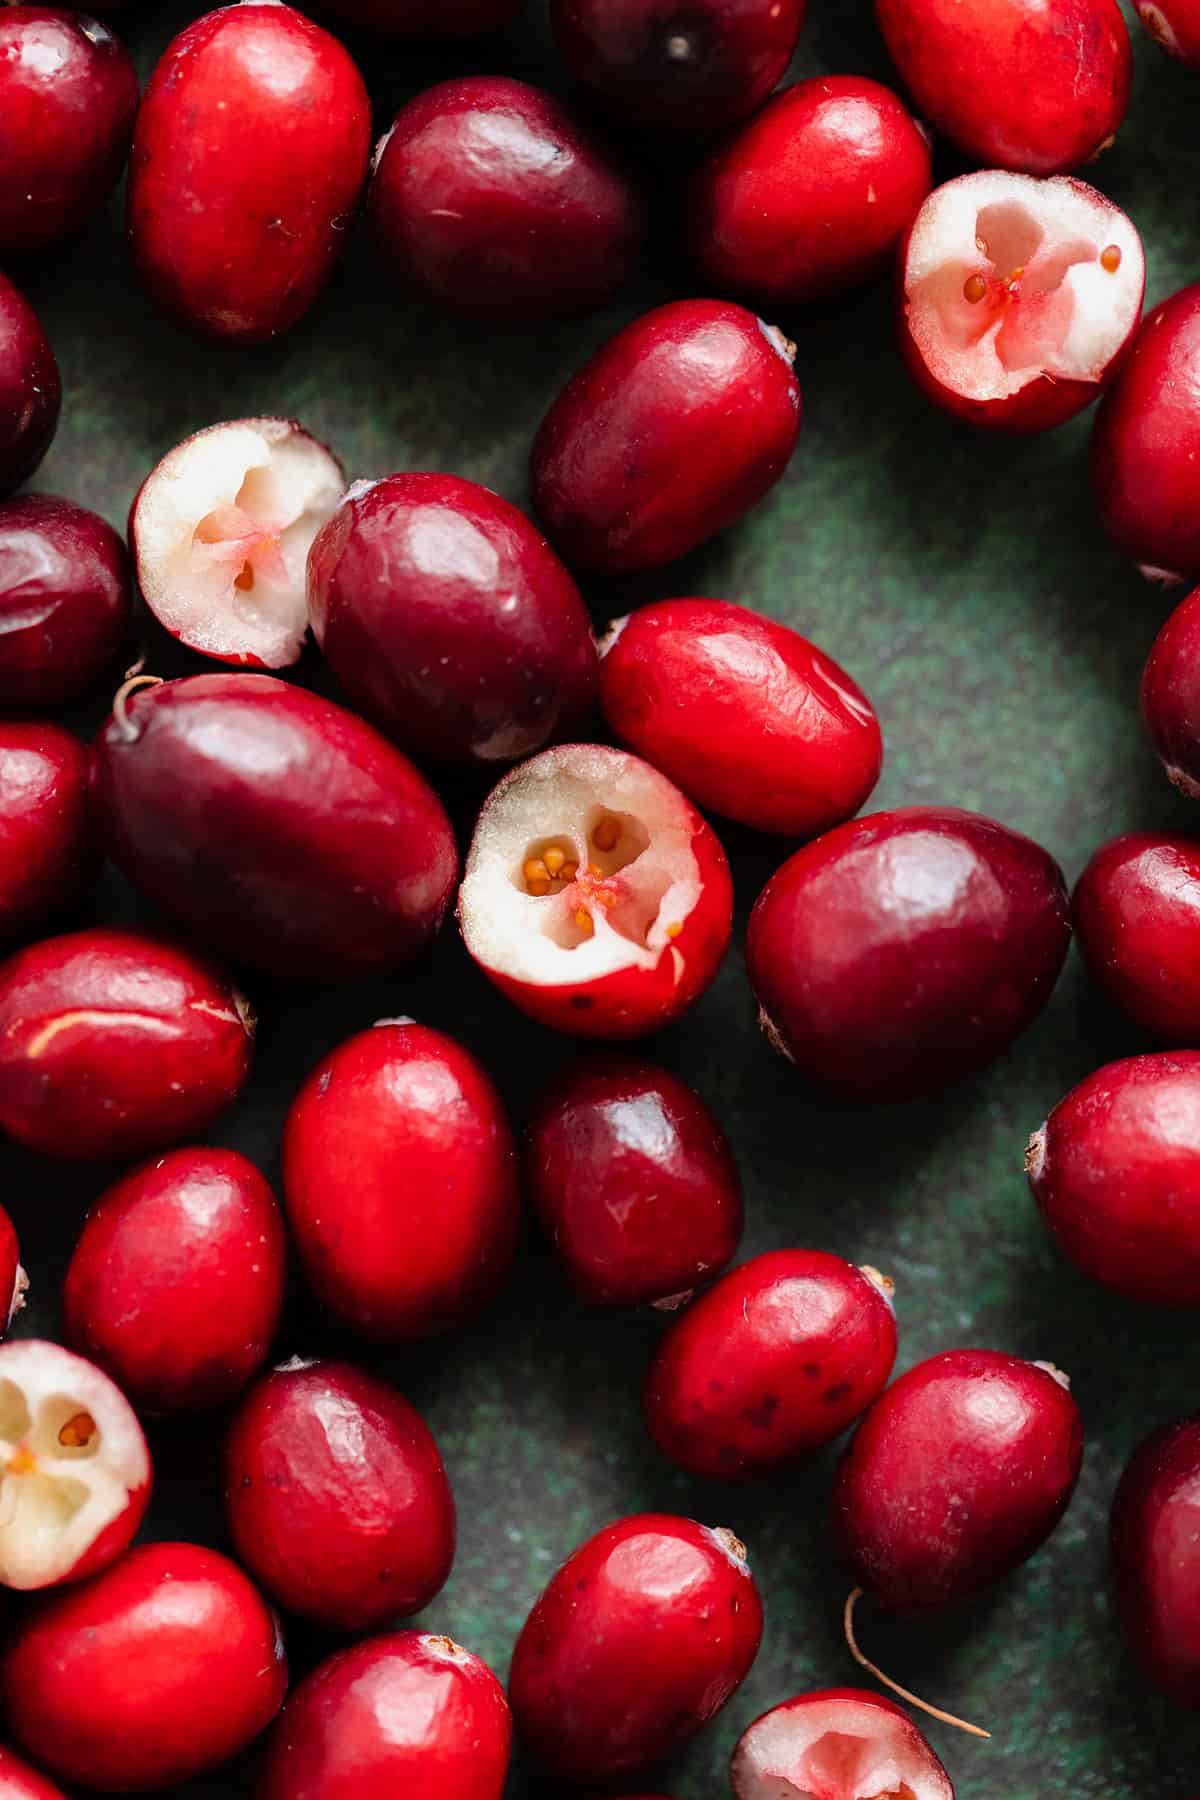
(449, 620)
(275, 824)
(336, 1496)
(45, 836)
(688, 67)
(595, 896)
(638, 1641)
(813, 194)
(491, 199)
(64, 599)
(19, 1782)
(424, 18)
(220, 531)
(1039, 88)
(248, 160)
(747, 716)
(176, 1283)
(1116, 1172)
(1156, 1558)
(30, 390)
(838, 1744)
(407, 1714)
(874, 951)
(674, 429)
(1171, 693)
(391, 1116)
(1175, 24)
(208, 1656)
(774, 1361)
(1137, 916)
(634, 1181)
(14, 1283)
(68, 93)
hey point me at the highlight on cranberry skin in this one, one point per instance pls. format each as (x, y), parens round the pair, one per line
(636, 1643)
(210, 1660)
(1136, 912)
(64, 600)
(30, 389)
(1175, 24)
(595, 897)
(1156, 1559)
(408, 1713)
(634, 1182)
(14, 1283)
(1020, 297)
(46, 850)
(750, 719)
(19, 1782)
(839, 1743)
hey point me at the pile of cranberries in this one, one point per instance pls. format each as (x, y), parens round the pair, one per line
(275, 835)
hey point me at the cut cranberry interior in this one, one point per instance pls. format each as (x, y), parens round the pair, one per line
(837, 1745)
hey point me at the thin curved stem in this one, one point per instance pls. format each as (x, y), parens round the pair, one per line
(935, 1712)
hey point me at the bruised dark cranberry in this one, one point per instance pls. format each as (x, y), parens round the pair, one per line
(30, 389)
(64, 599)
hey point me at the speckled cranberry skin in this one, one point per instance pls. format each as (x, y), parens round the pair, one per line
(905, 950)
(491, 199)
(1136, 912)
(1175, 24)
(19, 1782)
(675, 428)
(449, 620)
(638, 1641)
(958, 1473)
(64, 600)
(1156, 1558)
(30, 389)
(1170, 694)
(46, 850)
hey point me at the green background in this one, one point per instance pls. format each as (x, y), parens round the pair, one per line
(964, 581)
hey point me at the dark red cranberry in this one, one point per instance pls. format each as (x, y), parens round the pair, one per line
(19, 1782)
(14, 1283)
(634, 1182)
(907, 949)
(405, 19)
(1171, 691)
(274, 824)
(30, 390)
(448, 619)
(68, 93)
(64, 599)
(674, 429)
(46, 851)
(1156, 1558)
(682, 65)
(1137, 915)
(490, 198)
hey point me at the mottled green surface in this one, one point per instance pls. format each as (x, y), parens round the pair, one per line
(964, 582)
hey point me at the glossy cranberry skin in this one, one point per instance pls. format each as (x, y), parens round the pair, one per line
(746, 715)
(407, 1714)
(275, 825)
(13, 1280)
(489, 198)
(675, 428)
(676, 68)
(874, 951)
(176, 1283)
(393, 1115)
(634, 1181)
(1175, 24)
(248, 160)
(64, 599)
(68, 93)
(19, 1782)
(1170, 695)
(1156, 1558)
(209, 1658)
(30, 389)
(449, 620)
(773, 1361)
(960, 1470)
(813, 195)
(45, 834)
(1036, 88)
(1136, 912)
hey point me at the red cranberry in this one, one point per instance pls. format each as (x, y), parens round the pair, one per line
(1116, 1172)
(248, 160)
(14, 1283)
(449, 620)
(874, 951)
(19, 1782)
(1171, 692)
(176, 1283)
(407, 1714)
(958, 1473)
(747, 716)
(688, 67)
(64, 599)
(674, 429)
(30, 390)
(391, 1116)
(1156, 1558)
(774, 1361)
(275, 824)
(336, 1496)
(68, 93)
(1020, 298)
(634, 1181)
(813, 195)
(1039, 88)
(491, 199)
(209, 1663)
(638, 1641)
(424, 18)
(45, 837)
(1175, 24)
(595, 896)
(837, 1744)
(112, 1044)
(1137, 915)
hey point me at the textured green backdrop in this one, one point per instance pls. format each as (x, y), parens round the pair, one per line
(964, 581)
